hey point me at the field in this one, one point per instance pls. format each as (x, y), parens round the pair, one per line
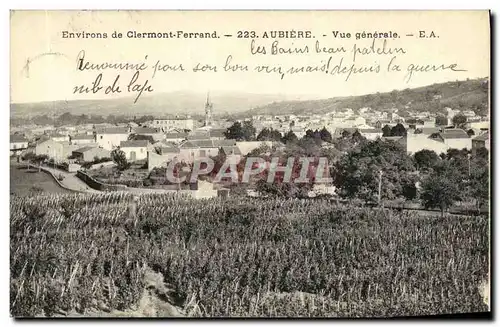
(95, 254)
(24, 181)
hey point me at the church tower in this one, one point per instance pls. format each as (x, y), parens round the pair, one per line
(208, 111)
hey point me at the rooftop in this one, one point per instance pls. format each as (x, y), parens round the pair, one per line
(113, 130)
(169, 149)
(85, 149)
(82, 137)
(454, 133)
(207, 143)
(17, 138)
(134, 144)
(484, 137)
(146, 130)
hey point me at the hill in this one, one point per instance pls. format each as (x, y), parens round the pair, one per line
(464, 95)
(158, 104)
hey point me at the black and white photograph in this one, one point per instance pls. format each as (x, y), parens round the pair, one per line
(250, 164)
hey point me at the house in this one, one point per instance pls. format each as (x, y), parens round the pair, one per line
(110, 138)
(58, 137)
(193, 149)
(80, 139)
(18, 143)
(479, 124)
(89, 153)
(50, 148)
(371, 133)
(59, 151)
(135, 150)
(418, 142)
(481, 141)
(379, 124)
(428, 130)
(355, 121)
(162, 159)
(176, 137)
(170, 124)
(140, 137)
(454, 138)
(299, 131)
(156, 133)
(217, 133)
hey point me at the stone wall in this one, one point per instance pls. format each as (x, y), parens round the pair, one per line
(97, 185)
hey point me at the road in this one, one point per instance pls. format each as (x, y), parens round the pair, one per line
(70, 180)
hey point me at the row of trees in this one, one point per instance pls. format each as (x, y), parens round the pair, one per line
(373, 170)
(247, 132)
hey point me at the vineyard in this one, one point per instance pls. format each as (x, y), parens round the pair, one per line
(242, 257)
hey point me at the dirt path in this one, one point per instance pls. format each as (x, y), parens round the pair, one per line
(70, 180)
(156, 301)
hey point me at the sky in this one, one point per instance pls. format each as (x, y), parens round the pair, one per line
(44, 64)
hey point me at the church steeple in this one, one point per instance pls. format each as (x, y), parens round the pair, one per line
(208, 111)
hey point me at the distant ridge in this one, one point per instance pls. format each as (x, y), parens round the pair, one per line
(156, 104)
(465, 95)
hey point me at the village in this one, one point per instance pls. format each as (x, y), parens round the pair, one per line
(85, 151)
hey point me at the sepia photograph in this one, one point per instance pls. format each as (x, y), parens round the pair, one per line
(250, 164)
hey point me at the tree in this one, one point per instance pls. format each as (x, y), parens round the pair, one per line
(356, 173)
(357, 137)
(398, 130)
(311, 136)
(235, 132)
(269, 134)
(345, 133)
(386, 130)
(482, 153)
(248, 131)
(119, 157)
(425, 159)
(471, 132)
(289, 137)
(441, 188)
(39, 159)
(459, 121)
(325, 135)
(479, 181)
(241, 132)
(29, 157)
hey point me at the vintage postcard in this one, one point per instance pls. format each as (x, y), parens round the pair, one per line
(220, 164)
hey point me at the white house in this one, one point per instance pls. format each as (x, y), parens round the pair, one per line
(193, 149)
(110, 138)
(455, 138)
(135, 150)
(481, 141)
(176, 137)
(417, 142)
(18, 143)
(170, 124)
(58, 151)
(82, 139)
(58, 137)
(371, 133)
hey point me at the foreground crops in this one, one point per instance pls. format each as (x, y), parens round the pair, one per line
(242, 257)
